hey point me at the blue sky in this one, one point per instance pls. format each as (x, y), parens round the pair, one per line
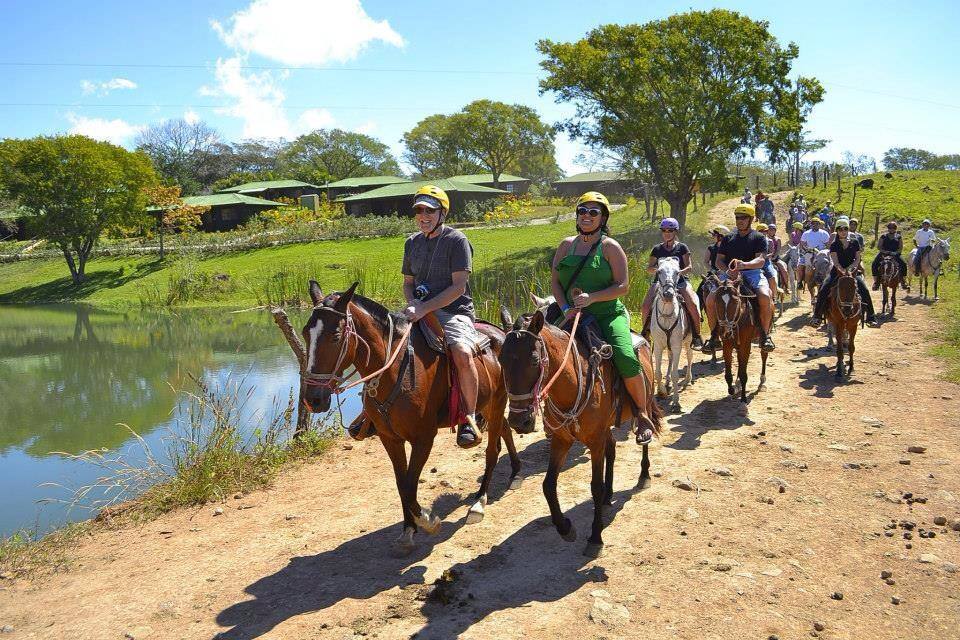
(888, 67)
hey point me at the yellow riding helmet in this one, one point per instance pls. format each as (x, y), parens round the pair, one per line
(595, 196)
(745, 209)
(434, 192)
(762, 227)
(798, 225)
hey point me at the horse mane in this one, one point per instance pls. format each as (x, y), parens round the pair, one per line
(380, 313)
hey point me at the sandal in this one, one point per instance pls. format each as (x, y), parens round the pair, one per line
(468, 435)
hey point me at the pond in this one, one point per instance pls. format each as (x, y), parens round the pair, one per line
(72, 376)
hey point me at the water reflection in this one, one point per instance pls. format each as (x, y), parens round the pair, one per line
(69, 374)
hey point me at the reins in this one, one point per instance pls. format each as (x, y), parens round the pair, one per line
(566, 354)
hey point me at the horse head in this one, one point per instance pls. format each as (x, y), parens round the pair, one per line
(668, 278)
(524, 362)
(730, 307)
(941, 249)
(848, 298)
(329, 349)
(821, 265)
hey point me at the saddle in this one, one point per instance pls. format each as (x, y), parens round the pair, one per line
(432, 334)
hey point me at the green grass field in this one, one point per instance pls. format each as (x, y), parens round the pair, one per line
(253, 277)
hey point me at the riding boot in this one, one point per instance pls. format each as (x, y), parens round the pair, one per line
(710, 346)
(468, 433)
(696, 341)
(766, 342)
(819, 311)
(636, 388)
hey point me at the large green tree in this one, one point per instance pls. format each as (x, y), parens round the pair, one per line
(77, 188)
(434, 150)
(186, 153)
(906, 159)
(499, 136)
(683, 93)
(334, 154)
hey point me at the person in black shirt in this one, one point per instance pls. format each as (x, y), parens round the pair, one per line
(743, 253)
(891, 244)
(671, 248)
(845, 253)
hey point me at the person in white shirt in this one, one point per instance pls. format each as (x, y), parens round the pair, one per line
(923, 240)
(813, 239)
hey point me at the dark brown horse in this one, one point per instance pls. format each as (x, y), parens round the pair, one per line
(845, 312)
(890, 279)
(408, 402)
(583, 404)
(738, 329)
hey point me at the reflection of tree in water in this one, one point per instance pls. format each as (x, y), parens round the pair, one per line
(68, 375)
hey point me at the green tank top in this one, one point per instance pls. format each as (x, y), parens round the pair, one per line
(596, 275)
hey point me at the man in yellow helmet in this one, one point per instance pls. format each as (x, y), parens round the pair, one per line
(743, 253)
(437, 262)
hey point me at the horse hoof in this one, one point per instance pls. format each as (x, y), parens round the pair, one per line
(404, 545)
(643, 483)
(475, 514)
(516, 482)
(571, 534)
(430, 524)
(593, 550)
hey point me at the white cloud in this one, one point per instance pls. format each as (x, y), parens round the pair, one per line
(115, 131)
(339, 31)
(258, 99)
(312, 119)
(103, 88)
(191, 116)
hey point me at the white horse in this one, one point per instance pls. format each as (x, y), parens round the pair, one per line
(931, 265)
(792, 259)
(670, 329)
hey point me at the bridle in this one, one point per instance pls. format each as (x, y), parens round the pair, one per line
(729, 327)
(534, 393)
(677, 309)
(849, 309)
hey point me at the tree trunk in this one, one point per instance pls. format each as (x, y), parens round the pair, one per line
(814, 173)
(74, 272)
(161, 241)
(796, 168)
(678, 210)
(646, 199)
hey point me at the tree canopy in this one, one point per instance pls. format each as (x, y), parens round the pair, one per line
(682, 93)
(335, 154)
(434, 150)
(905, 159)
(77, 188)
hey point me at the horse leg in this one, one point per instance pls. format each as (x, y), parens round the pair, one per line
(743, 356)
(883, 307)
(398, 458)
(839, 338)
(598, 490)
(559, 446)
(728, 367)
(852, 334)
(644, 481)
(893, 301)
(936, 282)
(763, 371)
(610, 453)
(688, 379)
(658, 368)
(515, 466)
(674, 378)
(419, 452)
(492, 454)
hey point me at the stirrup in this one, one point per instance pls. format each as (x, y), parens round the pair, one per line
(465, 429)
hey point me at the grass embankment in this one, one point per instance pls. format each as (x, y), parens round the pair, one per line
(273, 275)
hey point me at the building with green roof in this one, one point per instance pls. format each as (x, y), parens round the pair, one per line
(398, 198)
(507, 182)
(353, 186)
(606, 182)
(227, 210)
(275, 189)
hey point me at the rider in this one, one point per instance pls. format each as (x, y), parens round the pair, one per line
(768, 269)
(437, 263)
(923, 240)
(845, 254)
(891, 244)
(743, 254)
(718, 233)
(776, 245)
(602, 280)
(765, 209)
(813, 239)
(826, 216)
(794, 239)
(854, 234)
(746, 196)
(671, 248)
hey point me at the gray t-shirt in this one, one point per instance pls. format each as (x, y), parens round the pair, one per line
(433, 261)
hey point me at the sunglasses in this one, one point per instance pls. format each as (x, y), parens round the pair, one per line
(668, 230)
(741, 217)
(423, 210)
(593, 212)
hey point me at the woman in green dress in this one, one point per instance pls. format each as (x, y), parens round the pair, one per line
(598, 285)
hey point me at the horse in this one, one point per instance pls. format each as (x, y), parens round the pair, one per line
(793, 261)
(738, 329)
(407, 398)
(890, 280)
(817, 269)
(670, 329)
(707, 285)
(931, 265)
(845, 312)
(582, 401)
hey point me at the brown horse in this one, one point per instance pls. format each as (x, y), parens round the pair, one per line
(845, 312)
(738, 329)
(583, 404)
(890, 279)
(408, 402)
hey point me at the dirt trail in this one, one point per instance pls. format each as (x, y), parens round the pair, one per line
(735, 557)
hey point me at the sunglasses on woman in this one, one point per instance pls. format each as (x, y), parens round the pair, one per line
(593, 212)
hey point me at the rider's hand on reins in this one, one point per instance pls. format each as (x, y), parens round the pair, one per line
(414, 311)
(582, 300)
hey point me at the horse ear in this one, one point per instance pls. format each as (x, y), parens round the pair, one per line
(505, 318)
(344, 300)
(538, 302)
(536, 323)
(315, 293)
